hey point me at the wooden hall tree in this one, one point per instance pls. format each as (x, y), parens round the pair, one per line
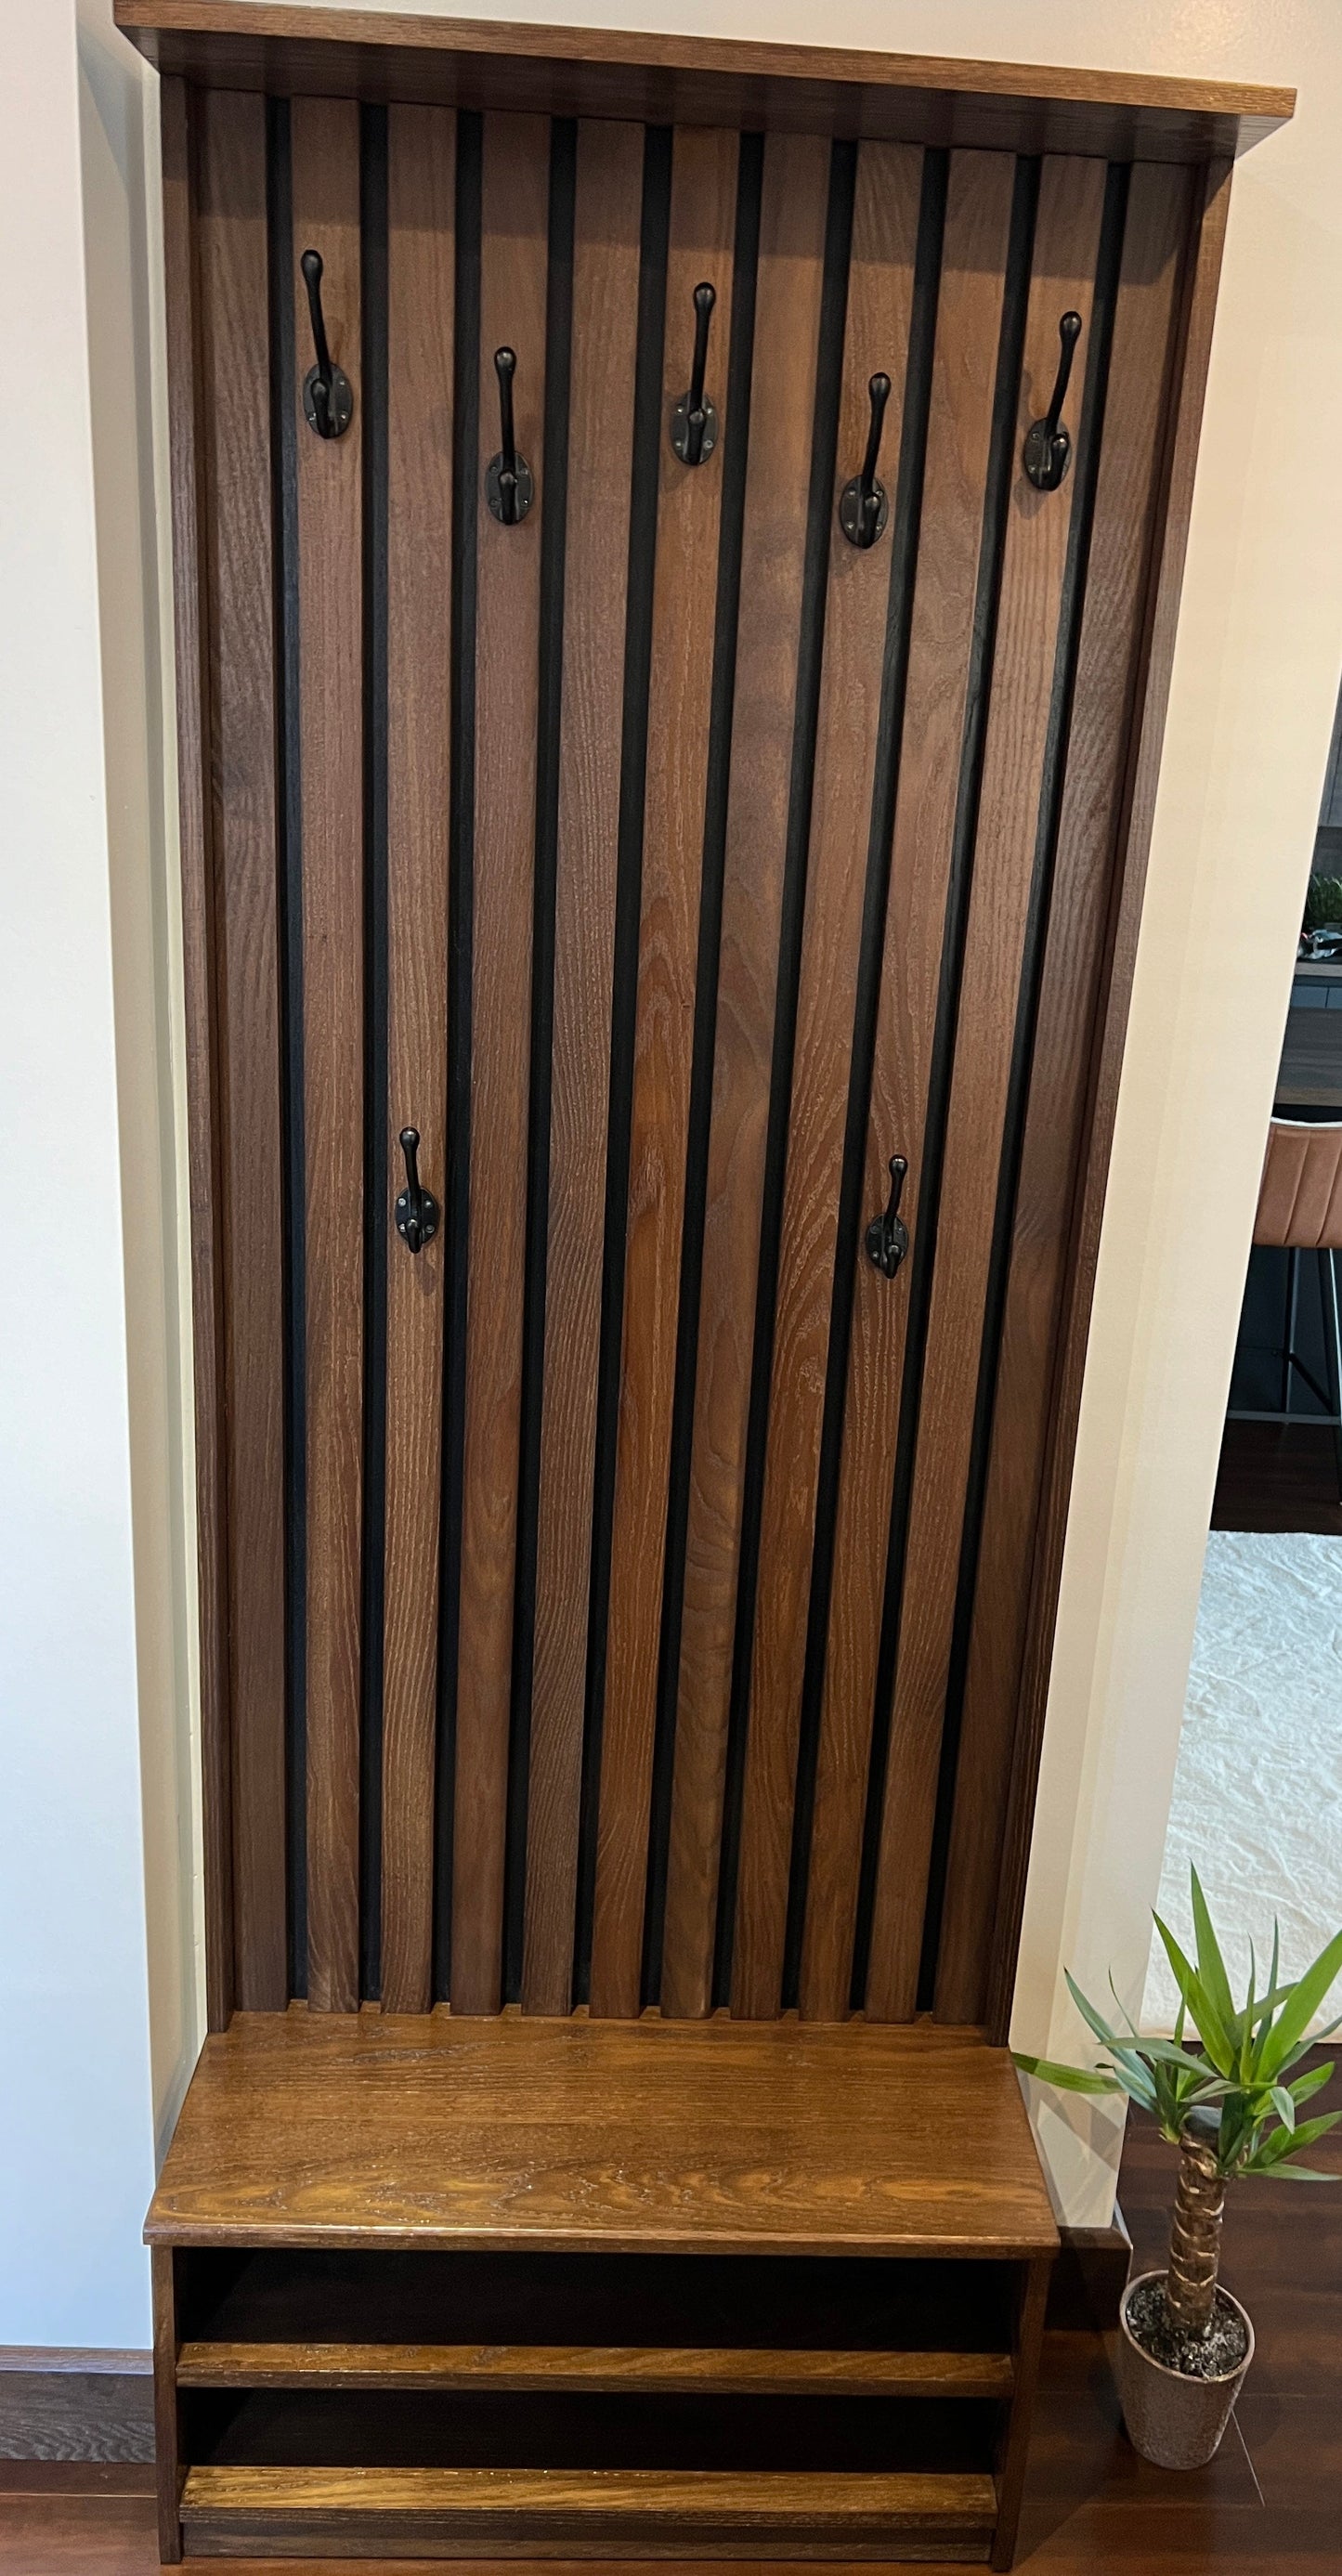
(670, 683)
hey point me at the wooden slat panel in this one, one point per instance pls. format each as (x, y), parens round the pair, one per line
(330, 581)
(964, 368)
(204, 1101)
(514, 223)
(1066, 242)
(235, 420)
(1192, 361)
(646, 2369)
(778, 471)
(421, 179)
(1125, 500)
(880, 301)
(605, 321)
(703, 208)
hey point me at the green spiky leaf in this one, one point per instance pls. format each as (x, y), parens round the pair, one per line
(1300, 2007)
(1071, 2079)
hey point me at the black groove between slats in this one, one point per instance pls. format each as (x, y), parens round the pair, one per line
(280, 255)
(554, 491)
(905, 521)
(735, 446)
(1001, 469)
(461, 856)
(1086, 469)
(655, 225)
(806, 716)
(373, 396)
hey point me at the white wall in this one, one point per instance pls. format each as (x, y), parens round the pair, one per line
(76, 2131)
(1255, 680)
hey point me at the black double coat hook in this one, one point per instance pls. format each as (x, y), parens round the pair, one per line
(863, 506)
(694, 422)
(328, 401)
(509, 488)
(1048, 446)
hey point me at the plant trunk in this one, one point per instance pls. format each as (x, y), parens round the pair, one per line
(1195, 2238)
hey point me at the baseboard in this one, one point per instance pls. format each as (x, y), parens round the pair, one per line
(1089, 2277)
(65, 2404)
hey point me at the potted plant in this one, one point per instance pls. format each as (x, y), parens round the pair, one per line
(1223, 2100)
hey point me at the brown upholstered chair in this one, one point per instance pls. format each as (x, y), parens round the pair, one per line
(1300, 1209)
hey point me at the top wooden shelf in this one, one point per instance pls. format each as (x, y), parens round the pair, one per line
(570, 71)
(359, 2130)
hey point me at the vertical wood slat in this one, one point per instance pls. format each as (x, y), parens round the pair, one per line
(325, 145)
(204, 1100)
(702, 222)
(1126, 495)
(1188, 385)
(964, 369)
(880, 303)
(1066, 243)
(421, 145)
(514, 235)
(605, 320)
(235, 422)
(773, 544)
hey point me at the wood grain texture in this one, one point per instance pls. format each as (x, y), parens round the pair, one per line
(235, 426)
(191, 662)
(51, 2409)
(964, 365)
(656, 2369)
(421, 180)
(578, 2136)
(1178, 464)
(1016, 2448)
(514, 233)
(1066, 242)
(607, 209)
(658, 2512)
(773, 545)
(702, 223)
(325, 145)
(167, 2412)
(1110, 642)
(703, 79)
(880, 303)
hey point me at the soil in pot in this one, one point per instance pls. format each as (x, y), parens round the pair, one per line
(1213, 2355)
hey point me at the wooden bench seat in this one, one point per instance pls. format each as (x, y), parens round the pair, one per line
(433, 2285)
(600, 2137)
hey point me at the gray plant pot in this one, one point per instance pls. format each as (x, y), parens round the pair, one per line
(1175, 2422)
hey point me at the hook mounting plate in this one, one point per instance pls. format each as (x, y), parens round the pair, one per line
(342, 402)
(1048, 453)
(850, 512)
(526, 490)
(417, 1226)
(680, 430)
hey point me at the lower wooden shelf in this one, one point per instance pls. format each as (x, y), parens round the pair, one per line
(655, 2370)
(602, 2513)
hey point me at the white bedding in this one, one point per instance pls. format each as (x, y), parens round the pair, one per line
(1258, 1789)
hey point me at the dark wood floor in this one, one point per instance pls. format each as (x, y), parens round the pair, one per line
(1269, 2505)
(1275, 1476)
